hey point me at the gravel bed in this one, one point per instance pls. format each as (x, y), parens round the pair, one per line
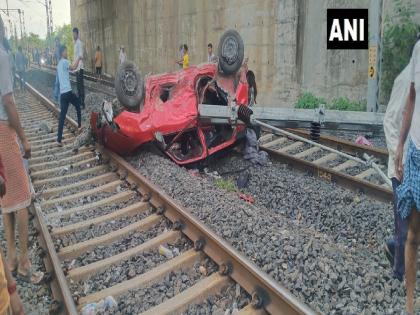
(36, 298)
(172, 284)
(355, 170)
(100, 229)
(128, 269)
(228, 301)
(69, 181)
(92, 213)
(62, 171)
(83, 201)
(327, 208)
(318, 239)
(105, 251)
(377, 139)
(315, 156)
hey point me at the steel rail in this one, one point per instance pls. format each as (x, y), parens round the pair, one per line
(90, 87)
(266, 293)
(350, 182)
(345, 145)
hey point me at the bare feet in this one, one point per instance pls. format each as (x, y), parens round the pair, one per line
(12, 263)
(25, 273)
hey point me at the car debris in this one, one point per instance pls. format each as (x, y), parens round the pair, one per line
(163, 109)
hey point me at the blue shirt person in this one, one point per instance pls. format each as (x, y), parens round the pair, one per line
(67, 96)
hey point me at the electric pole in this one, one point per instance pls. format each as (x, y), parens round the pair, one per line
(375, 45)
(10, 21)
(21, 25)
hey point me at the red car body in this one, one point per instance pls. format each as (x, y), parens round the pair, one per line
(171, 109)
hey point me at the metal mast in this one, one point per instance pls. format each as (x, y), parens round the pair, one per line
(375, 45)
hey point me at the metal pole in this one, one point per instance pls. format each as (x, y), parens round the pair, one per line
(10, 21)
(20, 22)
(48, 22)
(375, 21)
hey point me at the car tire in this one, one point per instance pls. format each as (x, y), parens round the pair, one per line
(230, 52)
(129, 86)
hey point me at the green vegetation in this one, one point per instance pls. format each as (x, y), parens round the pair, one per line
(308, 100)
(30, 41)
(400, 32)
(226, 184)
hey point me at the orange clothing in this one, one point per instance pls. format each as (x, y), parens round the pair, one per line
(4, 293)
(98, 59)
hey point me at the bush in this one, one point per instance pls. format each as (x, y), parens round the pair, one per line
(309, 101)
(343, 103)
(400, 32)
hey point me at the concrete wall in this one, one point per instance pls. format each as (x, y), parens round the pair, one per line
(285, 40)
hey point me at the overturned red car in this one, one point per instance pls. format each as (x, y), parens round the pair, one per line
(164, 109)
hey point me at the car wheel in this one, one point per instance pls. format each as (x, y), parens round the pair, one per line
(129, 85)
(231, 52)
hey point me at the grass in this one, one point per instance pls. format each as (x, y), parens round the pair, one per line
(309, 101)
(226, 184)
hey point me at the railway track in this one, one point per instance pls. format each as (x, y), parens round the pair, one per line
(322, 163)
(330, 165)
(108, 231)
(91, 81)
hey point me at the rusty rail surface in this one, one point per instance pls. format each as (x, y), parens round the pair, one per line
(267, 295)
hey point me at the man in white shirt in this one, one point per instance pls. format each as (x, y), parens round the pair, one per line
(123, 56)
(79, 66)
(409, 191)
(394, 248)
(210, 55)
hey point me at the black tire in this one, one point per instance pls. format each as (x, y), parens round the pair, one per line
(129, 86)
(230, 52)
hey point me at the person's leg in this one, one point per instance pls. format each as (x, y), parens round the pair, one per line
(9, 232)
(76, 103)
(64, 104)
(22, 81)
(411, 246)
(80, 88)
(22, 227)
(400, 235)
(56, 89)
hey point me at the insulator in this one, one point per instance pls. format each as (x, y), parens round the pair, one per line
(315, 131)
(244, 113)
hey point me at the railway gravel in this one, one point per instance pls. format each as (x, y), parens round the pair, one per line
(317, 239)
(36, 298)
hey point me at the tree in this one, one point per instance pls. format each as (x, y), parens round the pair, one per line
(65, 34)
(400, 31)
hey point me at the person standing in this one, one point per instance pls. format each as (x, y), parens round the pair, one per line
(185, 60)
(66, 94)
(123, 56)
(394, 248)
(409, 190)
(21, 63)
(210, 55)
(98, 61)
(9, 298)
(18, 194)
(78, 66)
